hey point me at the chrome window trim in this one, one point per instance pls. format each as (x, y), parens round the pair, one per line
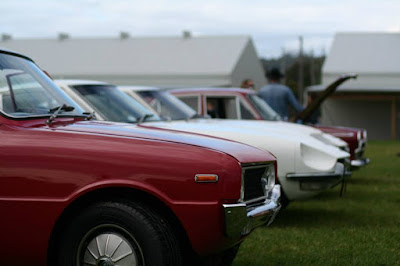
(234, 97)
(238, 111)
(238, 100)
(248, 107)
(180, 97)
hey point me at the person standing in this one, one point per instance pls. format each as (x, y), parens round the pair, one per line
(279, 96)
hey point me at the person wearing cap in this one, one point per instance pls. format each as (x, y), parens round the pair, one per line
(279, 96)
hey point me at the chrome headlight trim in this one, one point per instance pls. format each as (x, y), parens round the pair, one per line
(267, 180)
(358, 135)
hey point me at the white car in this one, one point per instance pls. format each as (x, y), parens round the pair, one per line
(309, 161)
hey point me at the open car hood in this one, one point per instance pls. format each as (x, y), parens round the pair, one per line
(315, 104)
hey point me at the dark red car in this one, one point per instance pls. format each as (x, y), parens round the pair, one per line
(81, 192)
(236, 103)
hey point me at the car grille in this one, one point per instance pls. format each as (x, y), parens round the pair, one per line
(252, 183)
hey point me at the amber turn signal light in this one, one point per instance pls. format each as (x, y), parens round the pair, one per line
(206, 178)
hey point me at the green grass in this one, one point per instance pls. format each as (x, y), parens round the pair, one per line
(361, 228)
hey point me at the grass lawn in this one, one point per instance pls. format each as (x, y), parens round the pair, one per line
(361, 228)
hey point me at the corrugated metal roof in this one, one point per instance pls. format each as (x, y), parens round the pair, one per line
(134, 56)
(372, 53)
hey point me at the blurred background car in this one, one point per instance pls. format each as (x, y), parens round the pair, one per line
(237, 103)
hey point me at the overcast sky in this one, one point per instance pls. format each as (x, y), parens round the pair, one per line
(273, 25)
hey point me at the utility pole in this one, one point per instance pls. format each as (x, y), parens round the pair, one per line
(312, 68)
(300, 80)
(283, 65)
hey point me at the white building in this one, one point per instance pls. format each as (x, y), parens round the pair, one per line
(373, 100)
(159, 61)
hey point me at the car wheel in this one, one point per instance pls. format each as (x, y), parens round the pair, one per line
(115, 233)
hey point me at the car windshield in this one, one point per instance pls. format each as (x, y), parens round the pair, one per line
(265, 110)
(114, 105)
(26, 91)
(167, 105)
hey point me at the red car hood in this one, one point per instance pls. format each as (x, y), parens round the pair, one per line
(242, 152)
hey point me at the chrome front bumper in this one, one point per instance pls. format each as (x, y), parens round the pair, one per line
(241, 219)
(320, 181)
(360, 162)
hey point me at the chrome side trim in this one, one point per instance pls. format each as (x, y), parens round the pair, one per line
(319, 176)
(342, 134)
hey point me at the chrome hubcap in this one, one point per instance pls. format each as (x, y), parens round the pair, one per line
(109, 249)
(104, 261)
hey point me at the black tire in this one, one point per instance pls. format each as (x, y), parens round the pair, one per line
(135, 227)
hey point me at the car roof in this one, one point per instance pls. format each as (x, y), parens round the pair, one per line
(215, 89)
(7, 51)
(80, 82)
(138, 88)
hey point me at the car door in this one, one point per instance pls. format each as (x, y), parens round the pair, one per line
(228, 107)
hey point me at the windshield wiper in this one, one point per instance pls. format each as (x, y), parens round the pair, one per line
(57, 110)
(89, 116)
(144, 117)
